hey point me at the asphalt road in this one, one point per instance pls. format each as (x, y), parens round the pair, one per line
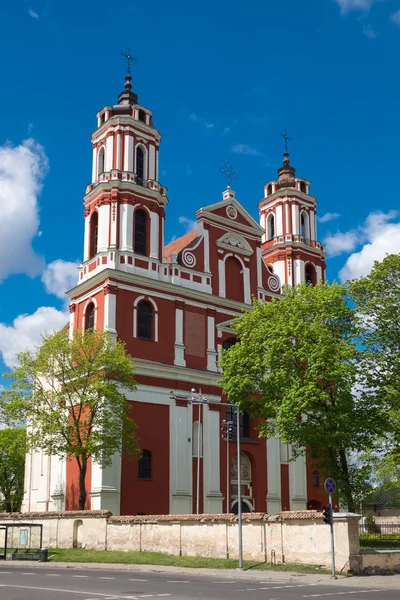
(85, 584)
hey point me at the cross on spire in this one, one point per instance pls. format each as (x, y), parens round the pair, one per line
(229, 174)
(129, 60)
(287, 139)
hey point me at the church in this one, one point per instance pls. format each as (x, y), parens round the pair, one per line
(173, 306)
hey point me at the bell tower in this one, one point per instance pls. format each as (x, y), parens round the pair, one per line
(288, 216)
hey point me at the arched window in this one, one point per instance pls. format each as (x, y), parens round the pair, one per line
(310, 274)
(229, 343)
(139, 165)
(144, 465)
(269, 190)
(197, 431)
(140, 245)
(244, 422)
(142, 116)
(271, 227)
(234, 285)
(144, 321)
(303, 187)
(89, 316)
(315, 479)
(94, 233)
(100, 164)
(304, 229)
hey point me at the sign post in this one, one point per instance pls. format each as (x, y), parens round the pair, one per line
(330, 488)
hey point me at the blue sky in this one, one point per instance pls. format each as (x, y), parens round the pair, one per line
(223, 80)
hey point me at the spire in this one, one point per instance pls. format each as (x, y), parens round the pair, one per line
(128, 97)
(286, 173)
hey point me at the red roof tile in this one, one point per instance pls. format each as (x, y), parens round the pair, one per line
(179, 244)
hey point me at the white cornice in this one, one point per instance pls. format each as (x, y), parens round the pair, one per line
(288, 197)
(148, 368)
(127, 186)
(210, 208)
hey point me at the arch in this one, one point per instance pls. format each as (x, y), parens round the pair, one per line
(101, 161)
(246, 506)
(136, 303)
(269, 189)
(271, 226)
(145, 465)
(144, 320)
(77, 534)
(197, 430)
(315, 479)
(304, 224)
(140, 232)
(140, 162)
(90, 316)
(310, 274)
(229, 343)
(303, 187)
(93, 234)
(314, 505)
(245, 468)
(234, 280)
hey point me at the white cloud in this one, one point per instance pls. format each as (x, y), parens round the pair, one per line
(370, 32)
(26, 331)
(59, 277)
(33, 14)
(246, 150)
(328, 217)
(188, 223)
(395, 18)
(339, 242)
(201, 121)
(22, 169)
(380, 237)
(347, 6)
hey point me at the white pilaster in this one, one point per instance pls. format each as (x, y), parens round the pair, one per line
(312, 225)
(319, 273)
(152, 162)
(179, 346)
(106, 486)
(154, 232)
(206, 238)
(287, 218)
(279, 220)
(212, 497)
(118, 164)
(211, 352)
(180, 426)
(104, 227)
(110, 313)
(86, 238)
(298, 484)
(71, 324)
(298, 266)
(274, 504)
(280, 270)
(259, 268)
(94, 165)
(128, 154)
(246, 283)
(58, 478)
(221, 278)
(295, 219)
(109, 153)
(126, 227)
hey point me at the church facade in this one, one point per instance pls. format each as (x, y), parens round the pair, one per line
(173, 306)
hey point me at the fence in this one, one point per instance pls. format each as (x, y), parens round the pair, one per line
(379, 530)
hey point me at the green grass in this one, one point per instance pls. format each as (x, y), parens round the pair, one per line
(156, 558)
(376, 542)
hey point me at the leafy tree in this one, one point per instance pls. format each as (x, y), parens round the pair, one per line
(12, 468)
(377, 300)
(71, 392)
(295, 368)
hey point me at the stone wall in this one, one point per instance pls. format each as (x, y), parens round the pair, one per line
(295, 537)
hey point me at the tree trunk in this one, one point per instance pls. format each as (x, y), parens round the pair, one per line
(347, 492)
(82, 483)
(9, 506)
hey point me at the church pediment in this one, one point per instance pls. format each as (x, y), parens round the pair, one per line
(234, 242)
(229, 210)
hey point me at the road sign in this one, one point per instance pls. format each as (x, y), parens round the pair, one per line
(330, 486)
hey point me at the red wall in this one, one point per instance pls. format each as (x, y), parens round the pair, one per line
(72, 492)
(148, 496)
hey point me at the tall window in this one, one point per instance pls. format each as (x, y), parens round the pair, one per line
(140, 165)
(271, 227)
(144, 321)
(310, 274)
(315, 479)
(101, 162)
(303, 187)
(144, 465)
(94, 233)
(244, 422)
(89, 316)
(140, 232)
(304, 230)
(142, 116)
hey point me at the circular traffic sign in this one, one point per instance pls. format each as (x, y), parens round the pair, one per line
(330, 485)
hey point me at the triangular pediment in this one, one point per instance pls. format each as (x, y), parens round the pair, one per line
(229, 211)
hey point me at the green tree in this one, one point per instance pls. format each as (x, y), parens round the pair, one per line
(71, 393)
(12, 468)
(377, 301)
(295, 368)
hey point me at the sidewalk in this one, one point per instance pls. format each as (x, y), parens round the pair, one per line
(389, 581)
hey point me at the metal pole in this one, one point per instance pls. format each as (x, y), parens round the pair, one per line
(332, 539)
(198, 464)
(228, 495)
(239, 480)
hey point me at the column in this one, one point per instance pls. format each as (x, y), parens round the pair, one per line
(119, 152)
(106, 486)
(126, 227)
(72, 309)
(104, 227)
(128, 153)
(154, 232)
(86, 235)
(246, 283)
(295, 219)
(259, 267)
(109, 153)
(212, 496)
(110, 310)
(206, 238)
(221, 278)
(279, 220)
(274, 504)
(180, 426)
(94, 165)
(58, 478)
(211, 352)
(298, 483)
(179, 345)
(312, 225)
(152, 162)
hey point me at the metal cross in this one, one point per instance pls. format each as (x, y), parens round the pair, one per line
(129, 59)
(229, 174)
(287, 139)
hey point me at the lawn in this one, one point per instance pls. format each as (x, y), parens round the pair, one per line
(155, 558)
(377, 542)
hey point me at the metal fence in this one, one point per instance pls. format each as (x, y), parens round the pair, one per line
(379, 530)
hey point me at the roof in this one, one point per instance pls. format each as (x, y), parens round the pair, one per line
(179, 244)
(384, 497)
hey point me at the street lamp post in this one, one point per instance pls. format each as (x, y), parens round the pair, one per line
(201, 401)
